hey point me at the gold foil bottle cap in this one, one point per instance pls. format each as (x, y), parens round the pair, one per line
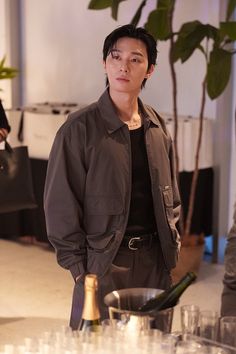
(91, 281)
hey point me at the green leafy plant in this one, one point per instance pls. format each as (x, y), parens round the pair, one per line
(103, 4)
(7, 72)
(215, 43)
(218, 54)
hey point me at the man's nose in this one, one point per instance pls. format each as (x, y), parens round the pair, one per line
(124, 67)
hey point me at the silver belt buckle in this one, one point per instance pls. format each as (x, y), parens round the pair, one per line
(131, 241)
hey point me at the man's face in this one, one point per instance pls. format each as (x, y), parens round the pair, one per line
(127, 65)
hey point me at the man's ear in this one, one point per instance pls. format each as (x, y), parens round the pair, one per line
(150, 71)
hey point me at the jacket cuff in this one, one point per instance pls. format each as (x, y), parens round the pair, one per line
(77, 269)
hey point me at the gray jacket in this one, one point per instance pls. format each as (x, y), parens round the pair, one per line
(88, 187)
(228, 303)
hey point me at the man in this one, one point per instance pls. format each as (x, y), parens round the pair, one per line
(228, 299)
(111, 197)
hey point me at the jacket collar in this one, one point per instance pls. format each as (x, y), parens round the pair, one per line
(110, 116)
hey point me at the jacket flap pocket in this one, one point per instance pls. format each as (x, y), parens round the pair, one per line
(168, 196)
(103, 205)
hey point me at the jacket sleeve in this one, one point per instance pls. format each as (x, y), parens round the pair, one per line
(228, 303)
(63, 199)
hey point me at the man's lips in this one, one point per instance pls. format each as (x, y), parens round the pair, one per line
(122, 79)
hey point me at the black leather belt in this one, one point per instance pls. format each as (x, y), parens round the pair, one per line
(136, 242)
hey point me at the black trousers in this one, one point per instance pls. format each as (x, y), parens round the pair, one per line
(142, 268)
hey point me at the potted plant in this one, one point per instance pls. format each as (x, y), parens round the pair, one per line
(6, 72)
(214, 43)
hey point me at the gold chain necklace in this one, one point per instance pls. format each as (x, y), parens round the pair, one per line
(135, 123)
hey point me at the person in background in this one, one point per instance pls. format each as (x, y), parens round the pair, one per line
(111, 198)
(228, 298)
(11, 225)
(4, 125)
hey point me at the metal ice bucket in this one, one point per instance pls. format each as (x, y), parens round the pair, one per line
(123, 306)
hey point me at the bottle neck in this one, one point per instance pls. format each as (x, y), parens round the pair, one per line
(90, 309)
(185, 281)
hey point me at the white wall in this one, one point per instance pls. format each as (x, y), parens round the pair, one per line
(2, 29)
(62, 53)
(10, 46)
(4, 84)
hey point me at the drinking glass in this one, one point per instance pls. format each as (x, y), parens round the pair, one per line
(189, 319)
(163, 320)
(217, 350)
(9, 349)
(228, 330)
(209, 324)
(190, 347)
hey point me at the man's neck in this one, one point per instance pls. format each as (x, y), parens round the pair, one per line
(126, 104)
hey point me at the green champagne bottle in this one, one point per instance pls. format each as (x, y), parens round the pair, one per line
(169, 297)
(90, 320)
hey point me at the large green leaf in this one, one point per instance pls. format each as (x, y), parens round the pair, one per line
(158, 23)
(228, 29)
(190, 37)
(2, 62)
(230, 9)
(218, 72)
(6, 74)
(114, 9)
(212, 32)
(102, 4)
(99, 4)
(136, 18)
(5, 71)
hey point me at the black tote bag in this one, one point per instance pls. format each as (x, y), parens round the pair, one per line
(16, 186)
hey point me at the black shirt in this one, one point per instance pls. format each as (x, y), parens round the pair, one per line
(141, 216)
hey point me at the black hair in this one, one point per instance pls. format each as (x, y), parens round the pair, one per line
(132, 32)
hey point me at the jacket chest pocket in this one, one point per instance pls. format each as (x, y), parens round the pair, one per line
(168, 203)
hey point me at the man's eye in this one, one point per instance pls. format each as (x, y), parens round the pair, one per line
(115, 56)
(135, 60)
